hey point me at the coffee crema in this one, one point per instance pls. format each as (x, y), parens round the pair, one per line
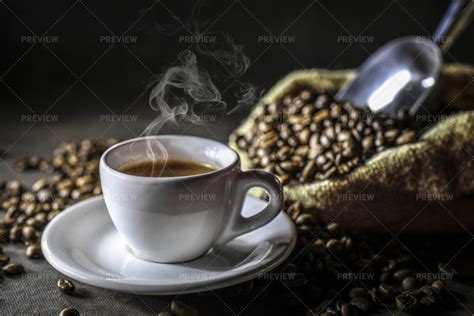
(161, 168)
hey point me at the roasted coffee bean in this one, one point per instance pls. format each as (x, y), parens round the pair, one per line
(428, 301)
(385, 277)
(181, 309)
(407, 302)
(439, 285)
(39, 184)
(334, 229)
(29, 233)
(52, 214)
(427, 290)
(15, 232)
(409, 283)
(334, 245)
(33, 251)
(400, 275)
(308, 171)
(348, 310)
(318, 246)
(405, 137)
(12, 269)
(357, 292)
(362, 304)
(4, 259)
(387, 291)
(4, 236)
(69, 311)
(84, 180)
(21, 164)
(305, 219)
(66, 286)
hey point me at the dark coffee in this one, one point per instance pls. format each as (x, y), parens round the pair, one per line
(160, 168)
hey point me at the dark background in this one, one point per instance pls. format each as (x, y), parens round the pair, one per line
(81, 77)
(80, 83)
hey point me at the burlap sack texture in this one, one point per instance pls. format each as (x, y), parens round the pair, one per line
(422, 187)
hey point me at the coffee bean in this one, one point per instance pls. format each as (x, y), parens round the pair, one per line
(357, 292)
(305, 218)
(308, 171)
(409, 283)
(334, 229)
(344, 136)
(318, 246)
(69, 311)
(428, 301)
(21, 164)
(386, 291)
(405, 137)
(391, 134)
(362, 304)
(39, 184)
(84, 180)
(181, 309)
(334, 245)
(33, 251)
(407, 302)
(385, 277)
(400, 275)
(15, 232)
(288, 165)
(4, 259)
(439, 285)
(66, 286)
(348, 310)
(29, 232)
(12, 269)
(427, 290)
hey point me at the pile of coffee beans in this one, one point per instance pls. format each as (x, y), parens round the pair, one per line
(28, 210)
(308, 136)
(333, 273)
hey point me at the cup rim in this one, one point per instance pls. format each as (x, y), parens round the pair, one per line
(106, 167)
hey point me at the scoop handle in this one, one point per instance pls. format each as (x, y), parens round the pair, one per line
(456, 18)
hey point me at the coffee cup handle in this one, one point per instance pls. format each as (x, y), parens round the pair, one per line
(238, 224)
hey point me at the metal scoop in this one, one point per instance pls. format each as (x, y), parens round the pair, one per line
(402, 73)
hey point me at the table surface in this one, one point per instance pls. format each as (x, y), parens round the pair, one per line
(35, 291)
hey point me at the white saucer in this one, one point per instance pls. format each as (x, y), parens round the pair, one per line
(82, 243)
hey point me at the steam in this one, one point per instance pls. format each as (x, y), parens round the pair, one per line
(180, 90)
(186, 90)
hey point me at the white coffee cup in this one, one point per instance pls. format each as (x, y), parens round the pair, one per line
(176, 219)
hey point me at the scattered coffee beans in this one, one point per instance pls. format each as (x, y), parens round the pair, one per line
(66, 286)
(334, 272)
(75, 169)
(340, 274)
(309, 136)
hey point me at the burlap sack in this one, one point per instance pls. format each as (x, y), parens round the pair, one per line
(420, 187)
